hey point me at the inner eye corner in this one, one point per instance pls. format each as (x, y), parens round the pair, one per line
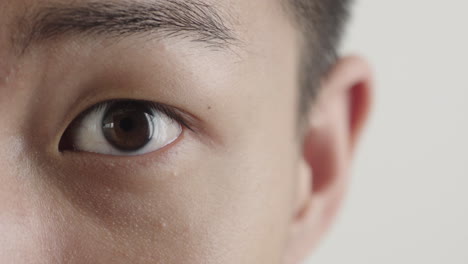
(65, 142)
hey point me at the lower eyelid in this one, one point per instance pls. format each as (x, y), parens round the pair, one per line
(123, 164)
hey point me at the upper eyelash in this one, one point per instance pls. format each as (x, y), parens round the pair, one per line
(169, 111)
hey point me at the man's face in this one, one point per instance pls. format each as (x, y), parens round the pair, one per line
(220, 192)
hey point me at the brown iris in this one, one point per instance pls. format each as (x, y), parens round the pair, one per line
(128, 125)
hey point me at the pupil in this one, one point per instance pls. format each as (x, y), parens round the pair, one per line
(128, 125)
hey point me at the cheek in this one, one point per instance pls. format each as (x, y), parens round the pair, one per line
(225, 204)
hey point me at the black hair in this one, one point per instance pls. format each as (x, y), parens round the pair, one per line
(321, 23)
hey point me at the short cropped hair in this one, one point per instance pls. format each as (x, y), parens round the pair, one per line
(321, 23)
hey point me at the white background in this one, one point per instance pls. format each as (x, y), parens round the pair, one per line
(409, 199)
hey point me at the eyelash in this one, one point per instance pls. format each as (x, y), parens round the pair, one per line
(172, 112)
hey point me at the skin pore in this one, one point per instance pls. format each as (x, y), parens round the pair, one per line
(239, 186)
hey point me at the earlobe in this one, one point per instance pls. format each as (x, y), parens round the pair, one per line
(335, 122)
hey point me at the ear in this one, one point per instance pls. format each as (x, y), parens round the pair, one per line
(334, 124)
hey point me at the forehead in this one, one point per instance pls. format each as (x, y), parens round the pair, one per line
(262, 31)
(264, 56)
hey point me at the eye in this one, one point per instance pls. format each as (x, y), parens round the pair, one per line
(123, 128)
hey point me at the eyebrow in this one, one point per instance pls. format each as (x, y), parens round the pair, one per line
(193, 19)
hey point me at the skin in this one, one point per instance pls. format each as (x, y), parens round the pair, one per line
(247, 185)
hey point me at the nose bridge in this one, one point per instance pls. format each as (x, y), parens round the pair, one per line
(30, 216)
(36, 224)
(21, 225)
